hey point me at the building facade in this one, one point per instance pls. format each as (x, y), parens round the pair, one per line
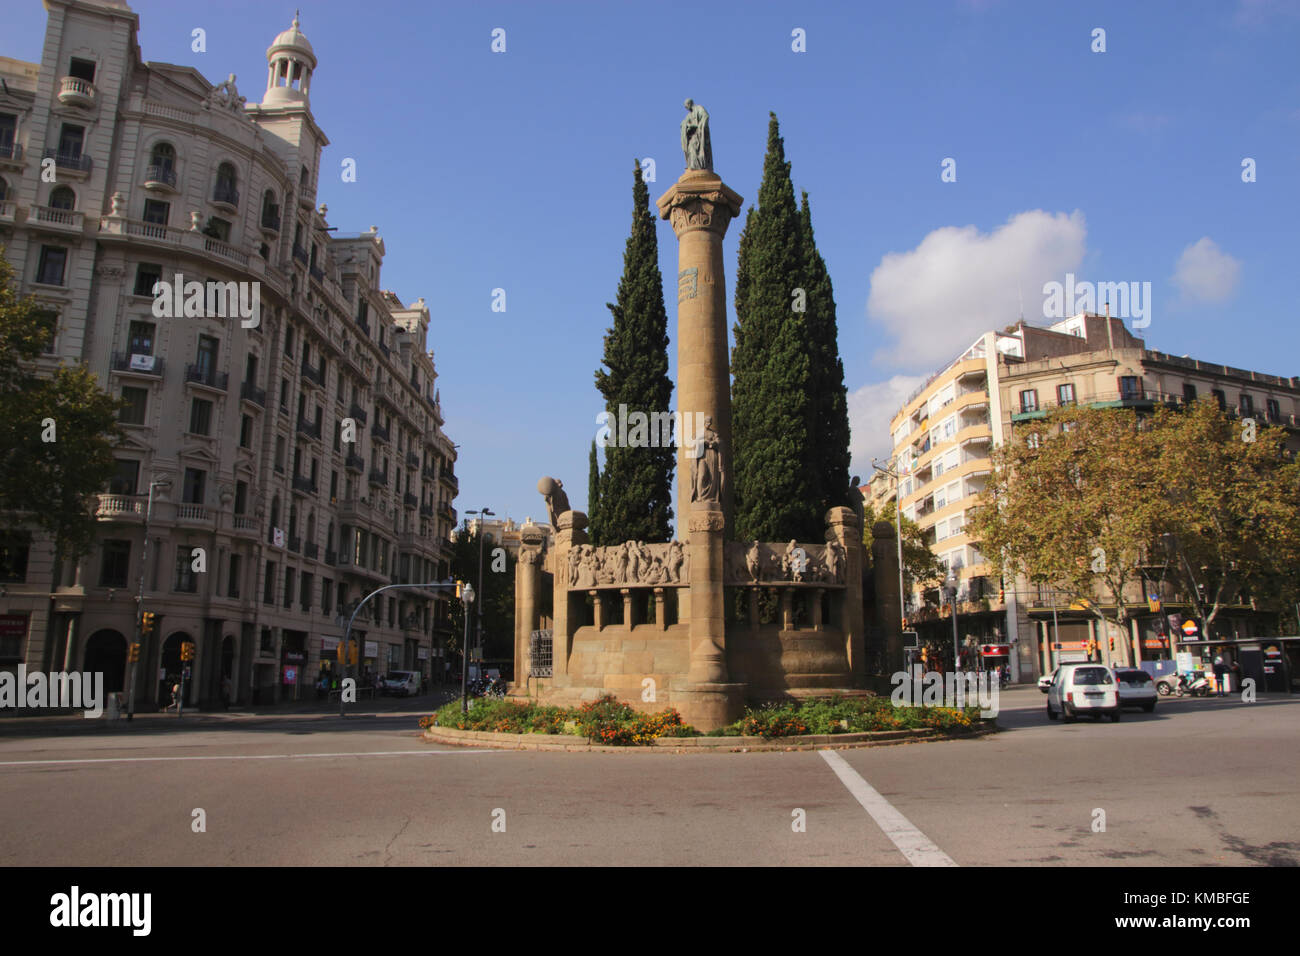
(284, 438)
(942, 440)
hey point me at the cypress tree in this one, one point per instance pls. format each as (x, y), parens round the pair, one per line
(772, 408)
(593, 494)
(636, 485)
(828, 457)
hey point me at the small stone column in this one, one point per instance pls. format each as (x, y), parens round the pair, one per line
(817, 593)
(843, 529)
(569, 531)
(787, 609)
(598, 609)
(627, 607)
(661, 621)
(528, 580)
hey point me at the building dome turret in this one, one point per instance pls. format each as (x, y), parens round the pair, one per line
(290, 61)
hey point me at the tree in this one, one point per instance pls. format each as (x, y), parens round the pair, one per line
(1072, 503)
(1232, 507)
(593, 492)
(635, 500)
(57, 429)
(496, 592)
(828, 457)
(920, 564)
(789, 405)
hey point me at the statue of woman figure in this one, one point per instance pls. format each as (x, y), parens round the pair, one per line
(620, 565)
(676, 557)
(706, 468)
(575, 557)
(695, 137)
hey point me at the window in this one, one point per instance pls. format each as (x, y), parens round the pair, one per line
(1032, 441)
(157, 212)
(268, 584)
(71, 139)
(163, 155)
(246, 431)
(46, 315)
(186, 579)
(8, 130)
(217, 228)
(1274, 410)
(1221, 398)
(288, 340)
(126, 477)
(61, 197)
(192, 493)
(49, 270)
(146, 275)
(305, 590)
(1130, 387)
(241, 497)
(1029, 400)
(227, 180)
(1189, 392)
(232, 579)
(1247, 406)
(141, 337)
(288, 586)
(137, 401)
(206, 359)
(284, 394)
(14, 547)
(1065, 394)
(200, 416)
(115, 564)
(82, 70)
(326, 596)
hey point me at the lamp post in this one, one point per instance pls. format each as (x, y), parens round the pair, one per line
(467, 596)
(483, 515)
(952, 590)
(139, 597)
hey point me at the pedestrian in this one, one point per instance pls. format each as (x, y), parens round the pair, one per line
(1236, 675)
(176, 697)
(226, 692)
(1220, 671)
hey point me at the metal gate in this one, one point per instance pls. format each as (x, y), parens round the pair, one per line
(539, 653)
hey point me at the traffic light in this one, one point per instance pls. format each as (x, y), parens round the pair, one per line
(925, 655)
(133, 652)
(1112, 643)
(1002, 595)
(459, 584)
(146, 622)
(187, 650)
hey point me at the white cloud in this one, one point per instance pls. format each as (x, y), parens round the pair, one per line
(870, 409)
(934, 300)
(1205, 273)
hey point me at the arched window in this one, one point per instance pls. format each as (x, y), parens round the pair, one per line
(163, 155)
(227, 180)
(62, 197)
(304, 178)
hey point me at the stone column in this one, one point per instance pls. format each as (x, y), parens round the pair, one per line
(528, 579)
(843, 529)
(889, 608)
(660, 621)
(598, 609)
(700, 208)
(787, 609)
(709, 701)
(569, 531)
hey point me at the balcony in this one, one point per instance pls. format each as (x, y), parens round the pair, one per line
(430, 472)
(305, 485)
(11, 154)
(314, 375)
(316, 273)
(194, 514)
(76, 92)
(310, 429)
(364, 326)
(311, 550)
(357, 413)
(76, 163)
(379, 432)
(410, 500)
(225, 194)
(224, 249)
(448, 478)
(207, 377)
(448, 512)
(412, 460)
(271, 220)
(331, 557)
(295, 544)
(354, 462)
(378, 477)
(147, 365)
(388, 353)
(245, 524)
(426, 511)
(159, 177)
(251, 393)
(121, 507)
(300, 253)
(59, 220)
(8, 209)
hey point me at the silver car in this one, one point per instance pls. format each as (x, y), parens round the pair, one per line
(1136, 688)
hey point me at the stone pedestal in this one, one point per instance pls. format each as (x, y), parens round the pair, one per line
(700, 207)
(889, 603)
(569, 531)
(528, 578)
(709, 700)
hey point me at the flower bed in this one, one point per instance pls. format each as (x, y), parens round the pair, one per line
(605, 721)
(837, 715)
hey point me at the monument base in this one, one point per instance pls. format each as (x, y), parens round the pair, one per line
(710, 706)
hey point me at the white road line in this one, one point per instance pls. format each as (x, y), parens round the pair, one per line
(913, 844)
(371, 753)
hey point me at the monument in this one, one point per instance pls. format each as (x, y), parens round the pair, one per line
(705, 623)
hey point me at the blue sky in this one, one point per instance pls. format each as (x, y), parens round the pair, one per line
(513, 170)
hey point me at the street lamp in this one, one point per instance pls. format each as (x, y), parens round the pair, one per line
(139, 597)
(483, 515)
(467, 596)
(952, 590)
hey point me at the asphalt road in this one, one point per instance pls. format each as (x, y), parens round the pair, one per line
(1198, 783)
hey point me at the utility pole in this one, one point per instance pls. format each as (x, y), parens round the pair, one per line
(139, 598)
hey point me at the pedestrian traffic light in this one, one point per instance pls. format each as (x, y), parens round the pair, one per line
(1112, 642)
(459, 584)
(925, 655)
(133, 652)
(146, 622)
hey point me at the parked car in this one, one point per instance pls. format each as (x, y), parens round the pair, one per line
(1136, 688)
(1045, 682)
(1087, 689)
(402, 683)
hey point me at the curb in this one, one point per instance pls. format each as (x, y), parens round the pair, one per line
(883, 738)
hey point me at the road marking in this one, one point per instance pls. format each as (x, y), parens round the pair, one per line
(914, 845)
(371, 753)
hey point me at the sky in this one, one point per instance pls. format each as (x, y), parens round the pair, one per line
(513, 170)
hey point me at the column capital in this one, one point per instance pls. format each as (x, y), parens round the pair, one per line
(699, 200)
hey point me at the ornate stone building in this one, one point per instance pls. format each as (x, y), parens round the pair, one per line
(241, 425)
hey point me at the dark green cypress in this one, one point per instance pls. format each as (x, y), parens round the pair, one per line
(593, 494)
(636, 485)
(772, 406)
(828, 456)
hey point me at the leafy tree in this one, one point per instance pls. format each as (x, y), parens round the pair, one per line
(496, 591)
(593, 491)
(636, 487)
(789, 404)
(920, 564)
(50, 483)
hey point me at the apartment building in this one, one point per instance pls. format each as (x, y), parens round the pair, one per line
(301, 455)
(504, 532)
(942, 439)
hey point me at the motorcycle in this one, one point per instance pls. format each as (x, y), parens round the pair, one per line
(1180, 686)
